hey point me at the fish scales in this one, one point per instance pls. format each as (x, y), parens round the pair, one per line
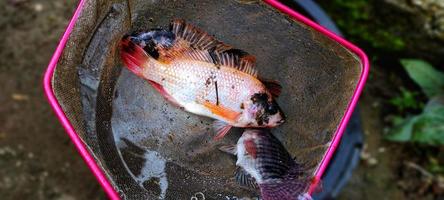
(194, 82)
(203, 76)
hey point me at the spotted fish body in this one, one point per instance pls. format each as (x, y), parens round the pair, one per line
(203, 76)
(264, 163)
(193, 83)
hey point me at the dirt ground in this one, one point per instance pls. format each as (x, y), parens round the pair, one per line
(375, 177)
(37, 159)
(383, 171)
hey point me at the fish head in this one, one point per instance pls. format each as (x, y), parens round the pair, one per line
(263, 111)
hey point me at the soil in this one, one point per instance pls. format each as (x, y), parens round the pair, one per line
(384, 171)
(37, 159)
(375, 177)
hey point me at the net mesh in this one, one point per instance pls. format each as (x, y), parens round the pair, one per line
(150, 149)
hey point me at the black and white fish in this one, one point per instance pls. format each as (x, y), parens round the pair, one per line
(264, 163)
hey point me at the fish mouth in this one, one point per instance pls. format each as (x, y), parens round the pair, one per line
(282, 116)
(276, 123)
(280, 121)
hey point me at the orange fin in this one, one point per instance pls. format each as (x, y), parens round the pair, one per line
(162, 91)
(221, 128)
(190, 42)
(193, 43)
(220, 110)
(196, 37)
(182, 50)
(272, 86)
(237, 59)
(133, 56)
(168, 54)
(222, 132)
(198, 55)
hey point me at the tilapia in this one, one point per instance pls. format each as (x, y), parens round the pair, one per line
(204, 76)
(264, 163)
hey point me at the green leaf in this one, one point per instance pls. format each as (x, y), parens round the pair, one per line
(429, 128)
(434, 102)
(406, 100)
(434, 166)
(426, 128)
(429, 79)
(402, 132)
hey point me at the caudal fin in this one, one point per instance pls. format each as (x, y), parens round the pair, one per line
(294, 186)
(285, 190)
(133, 56)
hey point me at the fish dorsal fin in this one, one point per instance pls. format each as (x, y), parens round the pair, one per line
(245, 64)
(190, 39)
(237, 59)
(196, 37)
(181, 50)
(245, 179)
(201, 55)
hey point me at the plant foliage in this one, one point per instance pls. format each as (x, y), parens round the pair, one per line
(428, 126)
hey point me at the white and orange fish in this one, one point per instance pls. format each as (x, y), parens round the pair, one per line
(264, 164)
(203, 76)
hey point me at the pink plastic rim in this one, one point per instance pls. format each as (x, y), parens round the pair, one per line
(87, 157)
(99, 174)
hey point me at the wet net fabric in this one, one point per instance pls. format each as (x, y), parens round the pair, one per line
(147, 147)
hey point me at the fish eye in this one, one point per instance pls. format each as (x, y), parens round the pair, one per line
(259, 98)
(272, 108)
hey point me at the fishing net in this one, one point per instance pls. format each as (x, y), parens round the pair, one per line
(148, 148)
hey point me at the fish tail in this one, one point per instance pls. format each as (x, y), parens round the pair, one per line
(292, 187)
(285, 190)
(133, 56)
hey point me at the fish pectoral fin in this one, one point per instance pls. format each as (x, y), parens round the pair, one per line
(273, 86)
(165, 94)
(245, 179)
(219, 110)
(221, 129)
(231, 149)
